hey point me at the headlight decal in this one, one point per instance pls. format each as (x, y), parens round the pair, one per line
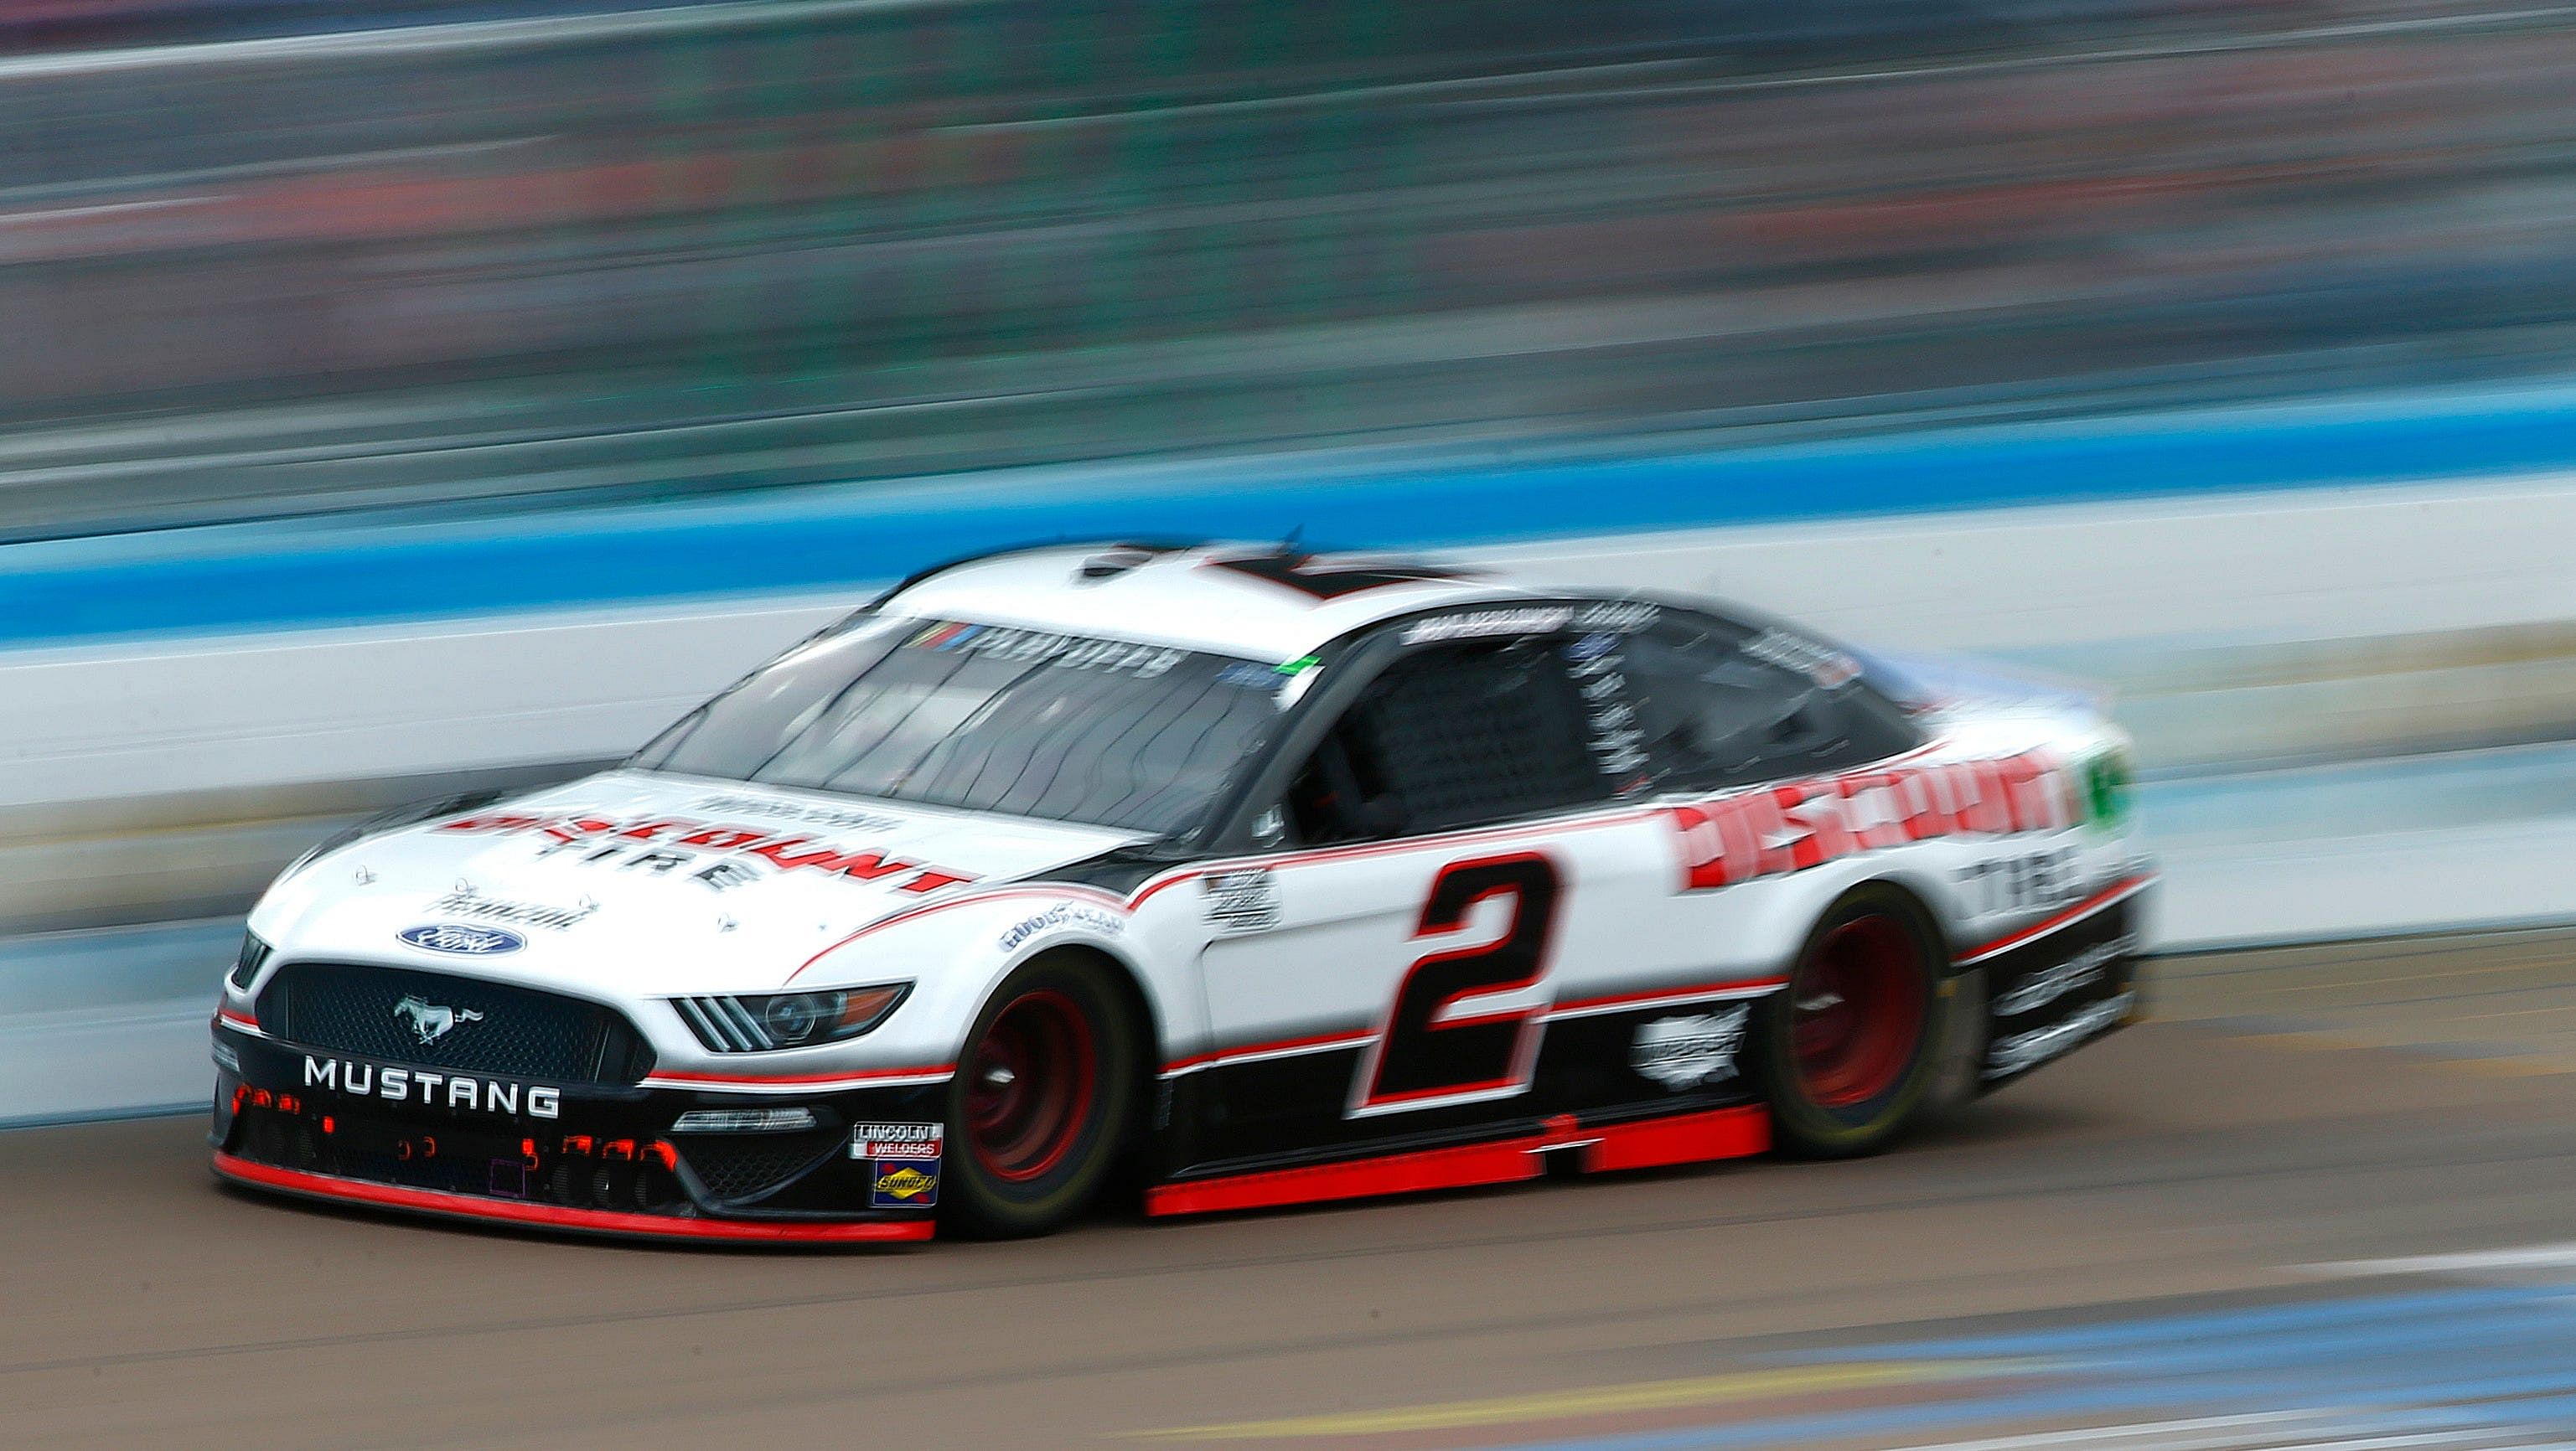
(768, 1022)
(253, 956)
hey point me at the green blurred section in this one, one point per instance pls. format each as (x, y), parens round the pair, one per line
(748, 245)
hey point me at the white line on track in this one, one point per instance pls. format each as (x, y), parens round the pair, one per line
(467, 37)
(2227, 1431)
(462, 38)
(2524, 1257)
(2298, 1430)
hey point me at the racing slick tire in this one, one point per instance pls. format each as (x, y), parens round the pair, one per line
(1041, 1101)
(1852, 1055)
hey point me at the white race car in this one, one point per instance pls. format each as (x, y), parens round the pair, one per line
(1272, 877)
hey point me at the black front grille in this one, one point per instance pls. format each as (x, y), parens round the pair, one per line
(739, 1166)
(443, 1021)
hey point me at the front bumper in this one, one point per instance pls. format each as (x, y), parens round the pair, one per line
(580, 1158)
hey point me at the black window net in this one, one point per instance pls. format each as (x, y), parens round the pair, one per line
(1472, 734)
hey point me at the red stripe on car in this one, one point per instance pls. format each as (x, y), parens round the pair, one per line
(549, 1216)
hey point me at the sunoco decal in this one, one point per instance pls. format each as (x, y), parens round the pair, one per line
(903, 1186)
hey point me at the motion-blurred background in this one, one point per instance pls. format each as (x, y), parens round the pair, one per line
(409, 396)
(432, 392)
(535, 249)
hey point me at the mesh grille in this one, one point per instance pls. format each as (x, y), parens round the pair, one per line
(443, 1021)
(738, 1166)
(1469, 736)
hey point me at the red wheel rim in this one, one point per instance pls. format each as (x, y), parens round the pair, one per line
(1858, 1011)
(1029, 1085)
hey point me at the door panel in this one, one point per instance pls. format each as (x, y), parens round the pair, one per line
(1404, 992)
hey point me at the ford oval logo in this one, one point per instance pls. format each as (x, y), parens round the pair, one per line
(459, 938)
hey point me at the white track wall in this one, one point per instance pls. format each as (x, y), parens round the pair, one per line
(2317, 623)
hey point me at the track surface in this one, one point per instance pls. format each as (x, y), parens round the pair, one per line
(2127, 1243)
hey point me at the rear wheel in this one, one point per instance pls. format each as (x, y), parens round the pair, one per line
(1848, 1055)
(1036, 1110)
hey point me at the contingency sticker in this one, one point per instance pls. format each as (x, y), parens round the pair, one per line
(1685, 1052)
(899, 1185)
(896, 1141)
(903, 1163)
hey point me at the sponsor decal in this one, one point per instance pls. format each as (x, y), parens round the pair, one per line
(454, 1091)
(432, 1021)
(462, 938)
(2028, 1050)
(2053, 982)
(916, 1143)
(1592, 646)
(1827, 667)
(468, 902)
(842, 817)
(1064, 652)
(1062, 914)
(2023, 883)
(899, 1185)
(1248, 676)
(1242, 901)
(1776, 830)
(1685, 1052)
(1617, 742)
(715, 856)
(1618, 615)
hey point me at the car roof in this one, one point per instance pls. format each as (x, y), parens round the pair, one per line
(1263, 602)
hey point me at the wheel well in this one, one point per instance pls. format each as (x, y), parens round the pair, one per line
(1948, 966)
(1130, 991)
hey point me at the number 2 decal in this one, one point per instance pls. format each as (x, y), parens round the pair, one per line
(1422, 1058)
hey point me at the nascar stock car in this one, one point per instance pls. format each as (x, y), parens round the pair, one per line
(1248, 876)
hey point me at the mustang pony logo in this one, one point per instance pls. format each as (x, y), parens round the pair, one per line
(432, 1021)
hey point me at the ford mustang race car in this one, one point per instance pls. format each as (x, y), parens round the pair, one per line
(1247, 876)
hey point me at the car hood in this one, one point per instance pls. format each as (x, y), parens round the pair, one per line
(642, 883)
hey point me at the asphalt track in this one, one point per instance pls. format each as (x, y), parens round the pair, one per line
(2151, 1247)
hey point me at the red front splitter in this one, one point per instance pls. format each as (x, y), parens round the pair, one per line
(554, 1217)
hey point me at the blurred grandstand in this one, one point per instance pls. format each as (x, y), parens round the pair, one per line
(265, 258)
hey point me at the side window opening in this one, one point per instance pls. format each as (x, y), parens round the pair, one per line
(1454, 736)
(1715, 705)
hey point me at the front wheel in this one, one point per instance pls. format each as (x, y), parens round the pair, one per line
(1849, 1054)
(1035, 1113)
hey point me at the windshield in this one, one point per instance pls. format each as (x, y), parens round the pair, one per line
(988, 718)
